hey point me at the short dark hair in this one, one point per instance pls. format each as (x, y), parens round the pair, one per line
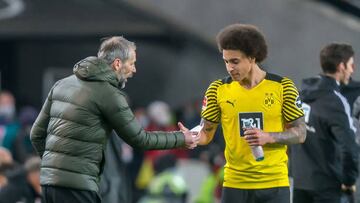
(246, 38)
(333, 54)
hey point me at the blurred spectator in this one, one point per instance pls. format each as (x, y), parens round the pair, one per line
(114, 181)
(23, 148)
(210, 191)
(161, 119)
(189, 113)
(133, 158)
(7, 107)
(6, 163)
(166, 186)
(160, 116)
(5, 156)
(142, 117)
(23, 184)
(8, 125)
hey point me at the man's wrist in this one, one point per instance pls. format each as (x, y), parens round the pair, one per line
(271, 139)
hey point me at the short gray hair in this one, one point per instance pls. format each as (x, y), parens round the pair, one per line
(115, 47)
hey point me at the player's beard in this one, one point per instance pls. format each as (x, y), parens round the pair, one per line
(122, 78)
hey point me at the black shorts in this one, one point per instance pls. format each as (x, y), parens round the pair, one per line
(54, 194)
(270, 195)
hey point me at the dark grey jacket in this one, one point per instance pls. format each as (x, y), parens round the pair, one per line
(72, 129)
(329, 156)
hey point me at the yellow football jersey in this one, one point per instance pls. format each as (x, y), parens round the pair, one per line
(267, 106)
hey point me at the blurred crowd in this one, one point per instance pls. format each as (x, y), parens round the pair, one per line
(129, 175)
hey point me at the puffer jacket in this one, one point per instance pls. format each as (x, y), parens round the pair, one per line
(72, 129)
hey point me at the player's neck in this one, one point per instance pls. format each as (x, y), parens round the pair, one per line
(254, 77)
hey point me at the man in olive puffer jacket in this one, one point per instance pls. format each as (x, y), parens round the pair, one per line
(72, 129)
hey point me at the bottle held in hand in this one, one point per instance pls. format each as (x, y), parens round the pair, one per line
(257, 151)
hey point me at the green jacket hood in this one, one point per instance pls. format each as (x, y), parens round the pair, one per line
(95, 69)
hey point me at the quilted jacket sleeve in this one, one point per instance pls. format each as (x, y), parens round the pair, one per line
(119, 115)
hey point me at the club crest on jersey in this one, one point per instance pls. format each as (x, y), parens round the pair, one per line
(204, 104)
(269, 99)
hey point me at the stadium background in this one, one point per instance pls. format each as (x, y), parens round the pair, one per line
(176, 52)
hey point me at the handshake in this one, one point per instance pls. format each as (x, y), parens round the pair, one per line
(192, 137)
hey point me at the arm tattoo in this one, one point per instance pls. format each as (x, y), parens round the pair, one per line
(295, 133)
(209, 125)
(209, 129)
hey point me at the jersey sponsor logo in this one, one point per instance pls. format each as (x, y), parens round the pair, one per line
(204, 104)
(269, 99)
(298, 102)
(250, 120)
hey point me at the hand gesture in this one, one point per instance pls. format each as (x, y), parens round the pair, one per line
(256, 137)
(191, 138)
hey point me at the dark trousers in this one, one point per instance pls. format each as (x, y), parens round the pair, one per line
(270, 195)
(54, 194)
(309, 196)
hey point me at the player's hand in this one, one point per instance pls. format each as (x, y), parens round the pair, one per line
(256, 137)
(191, 138)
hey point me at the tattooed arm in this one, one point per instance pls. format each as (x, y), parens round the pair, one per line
(295, 133)
(207, 132)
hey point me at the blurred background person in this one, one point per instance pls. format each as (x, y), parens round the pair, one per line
(22, 147)
(166, 186)
(6, 166)
(161, 118)
(8, 124)
(327, 163)
(23, 184)
(115, 182)
(210, 191)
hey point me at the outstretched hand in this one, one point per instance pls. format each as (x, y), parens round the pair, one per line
(191, 138)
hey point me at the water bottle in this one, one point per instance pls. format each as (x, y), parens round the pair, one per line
(257, 151)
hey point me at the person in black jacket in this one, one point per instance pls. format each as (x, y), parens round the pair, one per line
(327, 162)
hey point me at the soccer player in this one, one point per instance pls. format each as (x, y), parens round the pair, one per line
(270, 108)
